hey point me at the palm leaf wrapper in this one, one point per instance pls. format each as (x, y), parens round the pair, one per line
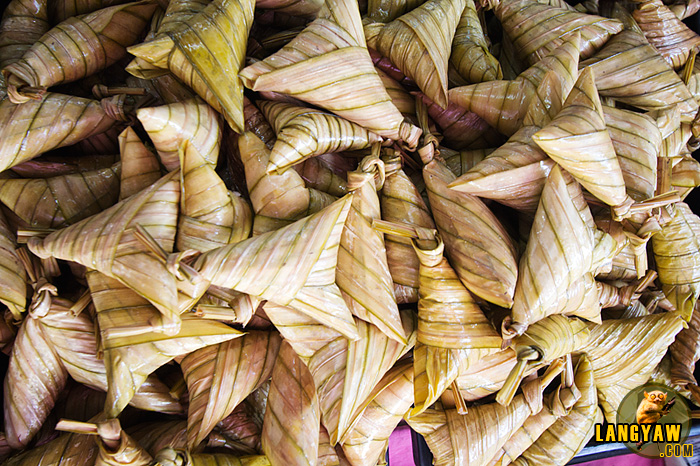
(266, 234)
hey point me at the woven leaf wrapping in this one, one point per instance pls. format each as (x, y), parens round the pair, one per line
(666, 33)
(563, 440)
(23, 23)
(206, 52)
(117, 448)
(537, 29)
(685, 352)
(292, 7)
(169, 125)
(625, 352)
(401, 202)
(277, 195)
(380, 414)
(470, 53)
(62, 200)
(628, 69)
(504, 104)
(76, 48)
(328, 65)
(317, 174)
(293, 266)
(474, 438)
(362, 273)
(178, 13)
(172, 457)
(475, 241)
(293, 416)
(220, 376)
(12, 272)
(637, 142)
(594, 164)
(107, 243)
(385, 11)
(61, 10)
(559, 253)
(139, 168)
(487, 376)
(451, 326)
(66, 450)
(304, 132)
(675, 254)
(132, 349)
(515, 173)
(328, 367)
(35, 377)
(419, 44)
(23, 127)
(210, 215)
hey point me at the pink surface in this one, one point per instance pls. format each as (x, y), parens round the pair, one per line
(625, 460)
(401, 447)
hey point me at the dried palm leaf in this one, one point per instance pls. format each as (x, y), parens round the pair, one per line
(139, 168)
(543, 342)
(332, 50)
(401, 202)
(23, 23)
(562, 441)
(675, 250)
(107, 242)
(368, 360)
(211, 216)
(665, 32)
(450, 324)
(206, 53)
(419, 44)
(169, 125)
(385, 11)
(305, 132)
(487, 376)
(476, 242)
(556, 405)
(171, 457)
(327, 456)
(23, 127)
(261, 266)
(115, 447)
(35, 377)
(460, 127)
(76, 48)
(362, 273)
(402, 100)
(379, 415)
(624, 353)
(61, 10)
(12, 273)
(470, 51)
(594, 165)
(307, 8)
(220, 376)
(474, 438)
(132, 348)
(293, 416)
(684, 353)
(178, 13)
(62, 200)
(684, 9)
(66, 450)
(629, 70)
(537, 29)
(318, 175)
(460, 162)
(504, 104)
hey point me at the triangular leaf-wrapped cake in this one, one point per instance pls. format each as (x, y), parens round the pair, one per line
(470, 53)
(23, 24)
(625, 352)
(206, 52)
(107, 242)
(140, 167)
(419, 44)
(12, 272)
(328, 65)
(536, 28)
(169, 125)
(280, 267)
